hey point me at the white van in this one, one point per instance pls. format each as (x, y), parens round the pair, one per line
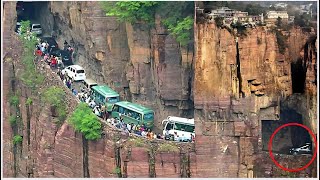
(75, 72)
(178, 129)
(36, 28)
(88, 83)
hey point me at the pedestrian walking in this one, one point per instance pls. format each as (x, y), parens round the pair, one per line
(69, 84)
(103, 111)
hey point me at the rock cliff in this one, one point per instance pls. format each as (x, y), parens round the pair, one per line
(144, 65)
(231, 85)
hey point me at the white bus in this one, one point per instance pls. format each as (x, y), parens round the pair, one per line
(178, 129)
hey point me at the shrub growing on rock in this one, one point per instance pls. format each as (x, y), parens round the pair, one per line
(17, 139)
(55, 96)
(84, 121)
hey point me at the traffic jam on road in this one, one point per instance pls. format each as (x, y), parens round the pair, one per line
(105, 102)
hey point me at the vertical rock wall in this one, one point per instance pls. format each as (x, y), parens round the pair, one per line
(145, 65)
(240, 81)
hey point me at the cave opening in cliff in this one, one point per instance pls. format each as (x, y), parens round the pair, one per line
(287, 137)
(298, 76)
(34, 11)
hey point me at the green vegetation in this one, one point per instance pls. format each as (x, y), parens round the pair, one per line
(252, 8)
(303, 21)
(182, 30)
(55, 96)
(168, 147)
(29, 101)
(12, 120)
(241, 30)
(84, 121)
(14, 100)
(29, 76)
(138, 142)
(281, 39)
(176, 16)
(219, 21)
(282, 42)
(117, 170)
(131, 11)
(17, 139)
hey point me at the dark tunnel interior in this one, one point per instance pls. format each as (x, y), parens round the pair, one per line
(288, 137)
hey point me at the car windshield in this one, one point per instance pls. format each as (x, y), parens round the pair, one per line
(64, 53)
(148, 116)
(37, 27)
(183, 127)
(113, 99)
(80, 71)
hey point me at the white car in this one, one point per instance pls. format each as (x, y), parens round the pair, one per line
(178, 129)
(75, 72)
(36, 28)
(305, 149)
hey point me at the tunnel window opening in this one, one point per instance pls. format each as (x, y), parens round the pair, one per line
(286, 138)
(298, 76)
(34, 11)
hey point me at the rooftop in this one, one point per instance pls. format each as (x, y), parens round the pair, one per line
(135, 107)
(105, 91)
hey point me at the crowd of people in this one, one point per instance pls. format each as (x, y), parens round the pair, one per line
(43, 49)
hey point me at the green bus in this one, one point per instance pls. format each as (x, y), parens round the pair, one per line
(133, 113)
(105, 95)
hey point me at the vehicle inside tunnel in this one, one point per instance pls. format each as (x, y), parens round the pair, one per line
(36, 12)
(288, 137)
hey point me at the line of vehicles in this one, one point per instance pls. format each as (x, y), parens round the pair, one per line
(174, 128)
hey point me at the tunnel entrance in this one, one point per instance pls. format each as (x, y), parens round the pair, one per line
(36, 12)
(288, 137)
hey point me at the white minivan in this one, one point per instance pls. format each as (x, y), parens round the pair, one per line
(36, 28)
(88, 83)
(178, 129)
(75, 72)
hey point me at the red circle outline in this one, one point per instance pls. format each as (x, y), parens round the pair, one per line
(298, 169)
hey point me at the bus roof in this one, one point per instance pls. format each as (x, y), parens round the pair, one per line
(181, 120)
(135, 107)
(90, 81)
(105, 90)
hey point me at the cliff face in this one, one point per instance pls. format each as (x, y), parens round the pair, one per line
(238, 84)
(144, 65)
(241, 82)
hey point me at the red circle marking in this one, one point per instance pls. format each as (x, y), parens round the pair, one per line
(314, 154)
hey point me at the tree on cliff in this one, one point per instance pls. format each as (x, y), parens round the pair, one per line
(84, 121)
(55, 96)
(176, 16)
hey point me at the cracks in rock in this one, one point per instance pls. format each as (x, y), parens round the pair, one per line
(118, 170)
(85, 157)
(185, 165)
(241, 93)
(152, 162)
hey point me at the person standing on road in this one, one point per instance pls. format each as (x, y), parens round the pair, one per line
(103, 112)
(54, 62)
(69, 84)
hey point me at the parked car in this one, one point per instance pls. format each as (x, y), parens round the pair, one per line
(36, 28)
(305, 149)
(88, 83)
(53, 45)
(75, 72)
(66, 56)
(18, 29)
